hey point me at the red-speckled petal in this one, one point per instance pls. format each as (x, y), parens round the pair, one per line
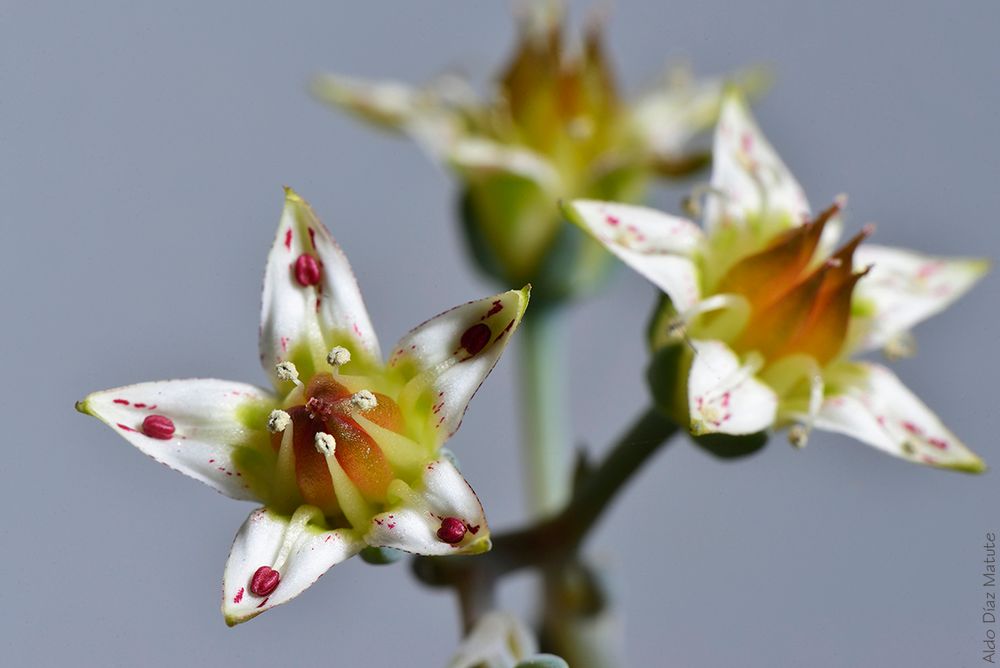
(299, 552)
(659, 246)
(877, 409)
(748, 174)
(905, 287)
(311, 300)
(725, 397)
(445, 359)
(192, 426)
(414, 525)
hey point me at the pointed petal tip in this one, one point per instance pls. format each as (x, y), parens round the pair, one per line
(83, 407)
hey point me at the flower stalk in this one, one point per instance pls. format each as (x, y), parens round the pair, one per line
(544, 396)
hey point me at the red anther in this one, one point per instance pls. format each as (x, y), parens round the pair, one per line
(307, 270)
(476, 337)
(158, 426)
(264, 581)
(452, 530)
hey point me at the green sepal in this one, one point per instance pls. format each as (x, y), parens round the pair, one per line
(667, 379)
(381, 556)
(729, 446)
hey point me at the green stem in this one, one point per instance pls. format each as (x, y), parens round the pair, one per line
(552, 540)
(545, 408)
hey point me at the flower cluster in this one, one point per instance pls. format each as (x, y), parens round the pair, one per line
(345, 452)
(764, 313)
(556, 127)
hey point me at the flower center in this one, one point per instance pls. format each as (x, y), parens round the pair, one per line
(338, 449)
(796, 307)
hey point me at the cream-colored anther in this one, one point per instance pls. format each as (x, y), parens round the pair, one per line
(325, 443)
(278, 421)
(798, 436)
(287, 371)
(339, 356)
(901, 346)
(363, 400)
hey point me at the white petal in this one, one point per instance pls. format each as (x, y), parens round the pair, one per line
(302, 322)
(880, 411)
(478, 158)
(749, 175)
(659, 246)
(386, 103)
(446, 358)
(671, 113)
(498, 640)
(723, 396)
(207, 421)
(309, 552)
(413, 524)
(904, 287)
(670, 116)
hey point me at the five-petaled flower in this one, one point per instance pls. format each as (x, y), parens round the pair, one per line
(764, 313)
(345, 453)
(554, 128)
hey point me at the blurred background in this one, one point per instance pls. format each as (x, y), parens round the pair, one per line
(143, 147)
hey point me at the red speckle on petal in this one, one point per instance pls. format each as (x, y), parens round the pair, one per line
(264, 581)
(912, 428)
(938, 443)
(123, 402)
(288, 238)
(239, 596)
(452, 530)
(475, 338)
(125, 427)
(307, 270)
(139, 405)
(613, 221)
(496, 308)
(312, 237)
(158, 426)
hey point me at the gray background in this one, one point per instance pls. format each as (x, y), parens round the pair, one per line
(142, 150)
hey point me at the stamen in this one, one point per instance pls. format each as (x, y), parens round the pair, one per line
(266, 579)
(798, 435)
(363, 400)
(287, 371)
(325, 444)
(452, 530)
(338, 357)
(278, 421)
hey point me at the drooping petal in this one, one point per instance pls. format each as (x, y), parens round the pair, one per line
(388, 104)
(659, 246)
(196, 426)
(877, 409)
(311, 301)
(498, 640)
(445, 359)
(904, 287)
(275, 558)
(724, 397)
(750, 180)
(440, 515)
(476, 158)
